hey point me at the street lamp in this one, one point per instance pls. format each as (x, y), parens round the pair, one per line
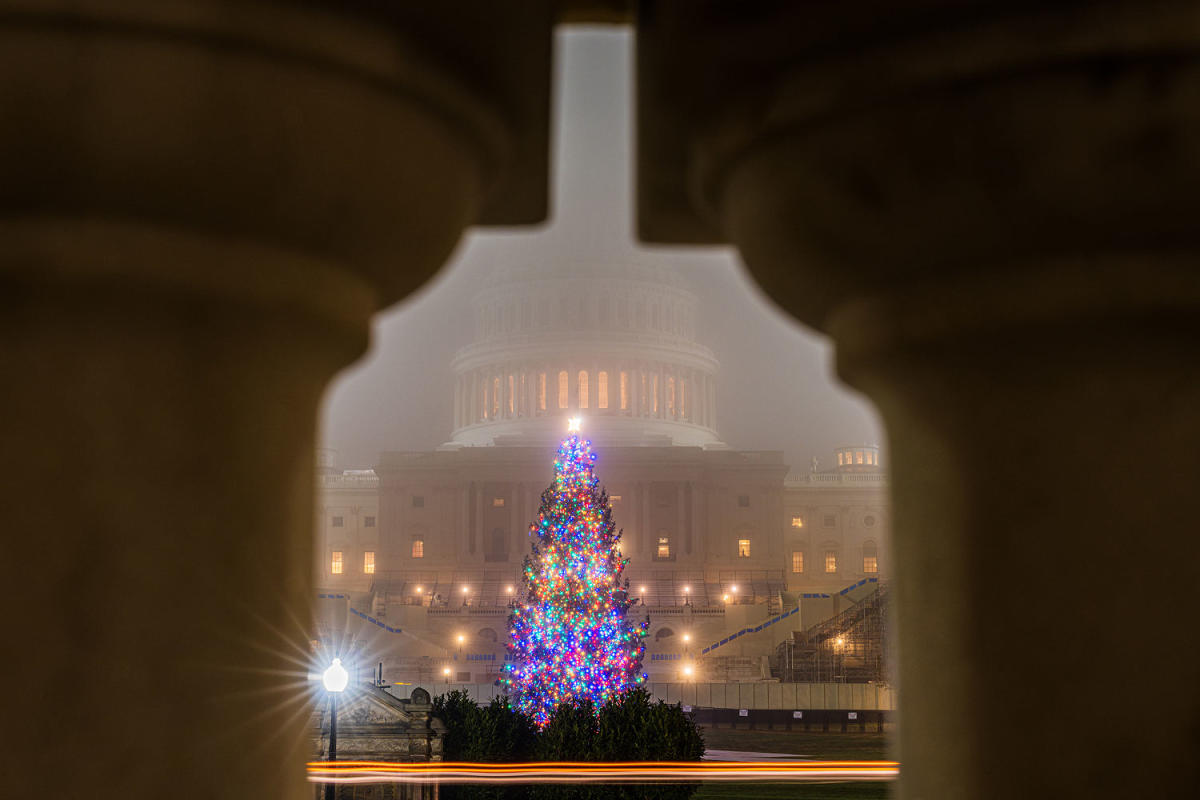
(335, 679)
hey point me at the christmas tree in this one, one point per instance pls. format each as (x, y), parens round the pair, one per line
(569, 636)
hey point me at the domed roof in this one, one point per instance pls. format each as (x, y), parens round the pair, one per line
(613, 341)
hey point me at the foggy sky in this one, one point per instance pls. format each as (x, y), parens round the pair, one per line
(775, 389)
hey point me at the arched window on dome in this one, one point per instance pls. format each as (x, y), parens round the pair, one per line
(495, 398)
(583, 389)
(671, 396)
(683, 398)
(562, 389)
(541, 393)
(511, 395)
(654, 394)
(624, 391)
(602, 390)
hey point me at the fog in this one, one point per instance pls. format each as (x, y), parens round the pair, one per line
(776, 389)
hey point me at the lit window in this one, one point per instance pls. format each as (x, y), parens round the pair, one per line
(614, 498)
(797, 522)
(858, 457)
(664, 547)
(743, 548)
(671, 395)
(511, 394)
(831, 560)
(682, 398)
(870, 564)
(841, 459)
(369, 562)
(495, 397)
(830, 521)
(602, 390)
(743, 501)
(418, 547)
(418, 501)
(368, 522)
(870, 458)
(338, 522)
(541, 391)
(583, 389)
(497, 502)
(335, 563)
(654, 393)
(624, 391)
(562, 389)
(797, 561)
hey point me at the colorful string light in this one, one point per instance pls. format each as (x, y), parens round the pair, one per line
(569, 636)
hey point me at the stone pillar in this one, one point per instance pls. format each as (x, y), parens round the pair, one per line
(993, 215)
(201, 205)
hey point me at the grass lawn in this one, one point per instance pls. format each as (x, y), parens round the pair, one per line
(854, 746)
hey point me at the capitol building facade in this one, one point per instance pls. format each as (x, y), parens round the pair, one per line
(730, 552)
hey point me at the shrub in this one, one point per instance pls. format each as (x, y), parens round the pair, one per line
(630, 727)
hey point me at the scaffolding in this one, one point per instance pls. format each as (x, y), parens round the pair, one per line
(849, 647)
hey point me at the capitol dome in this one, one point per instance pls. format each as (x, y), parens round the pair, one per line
(612, 344)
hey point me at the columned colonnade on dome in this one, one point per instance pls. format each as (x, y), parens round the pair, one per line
(989, 207)
(654, 390)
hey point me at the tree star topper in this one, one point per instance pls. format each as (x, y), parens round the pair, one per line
(573, 424)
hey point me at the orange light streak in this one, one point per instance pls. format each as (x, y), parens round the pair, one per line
(599, 772)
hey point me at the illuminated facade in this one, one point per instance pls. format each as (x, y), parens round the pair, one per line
(720, 540)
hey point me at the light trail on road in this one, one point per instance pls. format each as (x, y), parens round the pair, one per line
(599, 772)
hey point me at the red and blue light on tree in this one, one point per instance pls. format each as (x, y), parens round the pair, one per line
(569, 635)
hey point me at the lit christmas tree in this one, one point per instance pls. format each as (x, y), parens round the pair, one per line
(569, 637)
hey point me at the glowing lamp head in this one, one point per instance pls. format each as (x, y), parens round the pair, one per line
(687, 637)
(687, 671)
(335, 677)
(419, 590)
(839, 641)
(573, 425)
(642, 589)
(733, 588)
(508, 589)
(446, 671)
(464, 590)
(687, 590)
(724, 598)
(461, 638)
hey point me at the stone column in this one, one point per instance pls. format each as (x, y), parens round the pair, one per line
(201, 205)
(993, 215)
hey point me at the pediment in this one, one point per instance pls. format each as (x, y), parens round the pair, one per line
(373, 708)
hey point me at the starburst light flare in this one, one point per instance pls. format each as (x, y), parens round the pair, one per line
(570, 639)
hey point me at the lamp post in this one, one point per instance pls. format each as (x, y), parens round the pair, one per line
(335, 679)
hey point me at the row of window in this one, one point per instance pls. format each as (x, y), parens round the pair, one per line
(337, 562)
(340, 522)
(855, 457)
(870, 561)
(831, 521)
(580, 311)
(663, 551)
(673, 395)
